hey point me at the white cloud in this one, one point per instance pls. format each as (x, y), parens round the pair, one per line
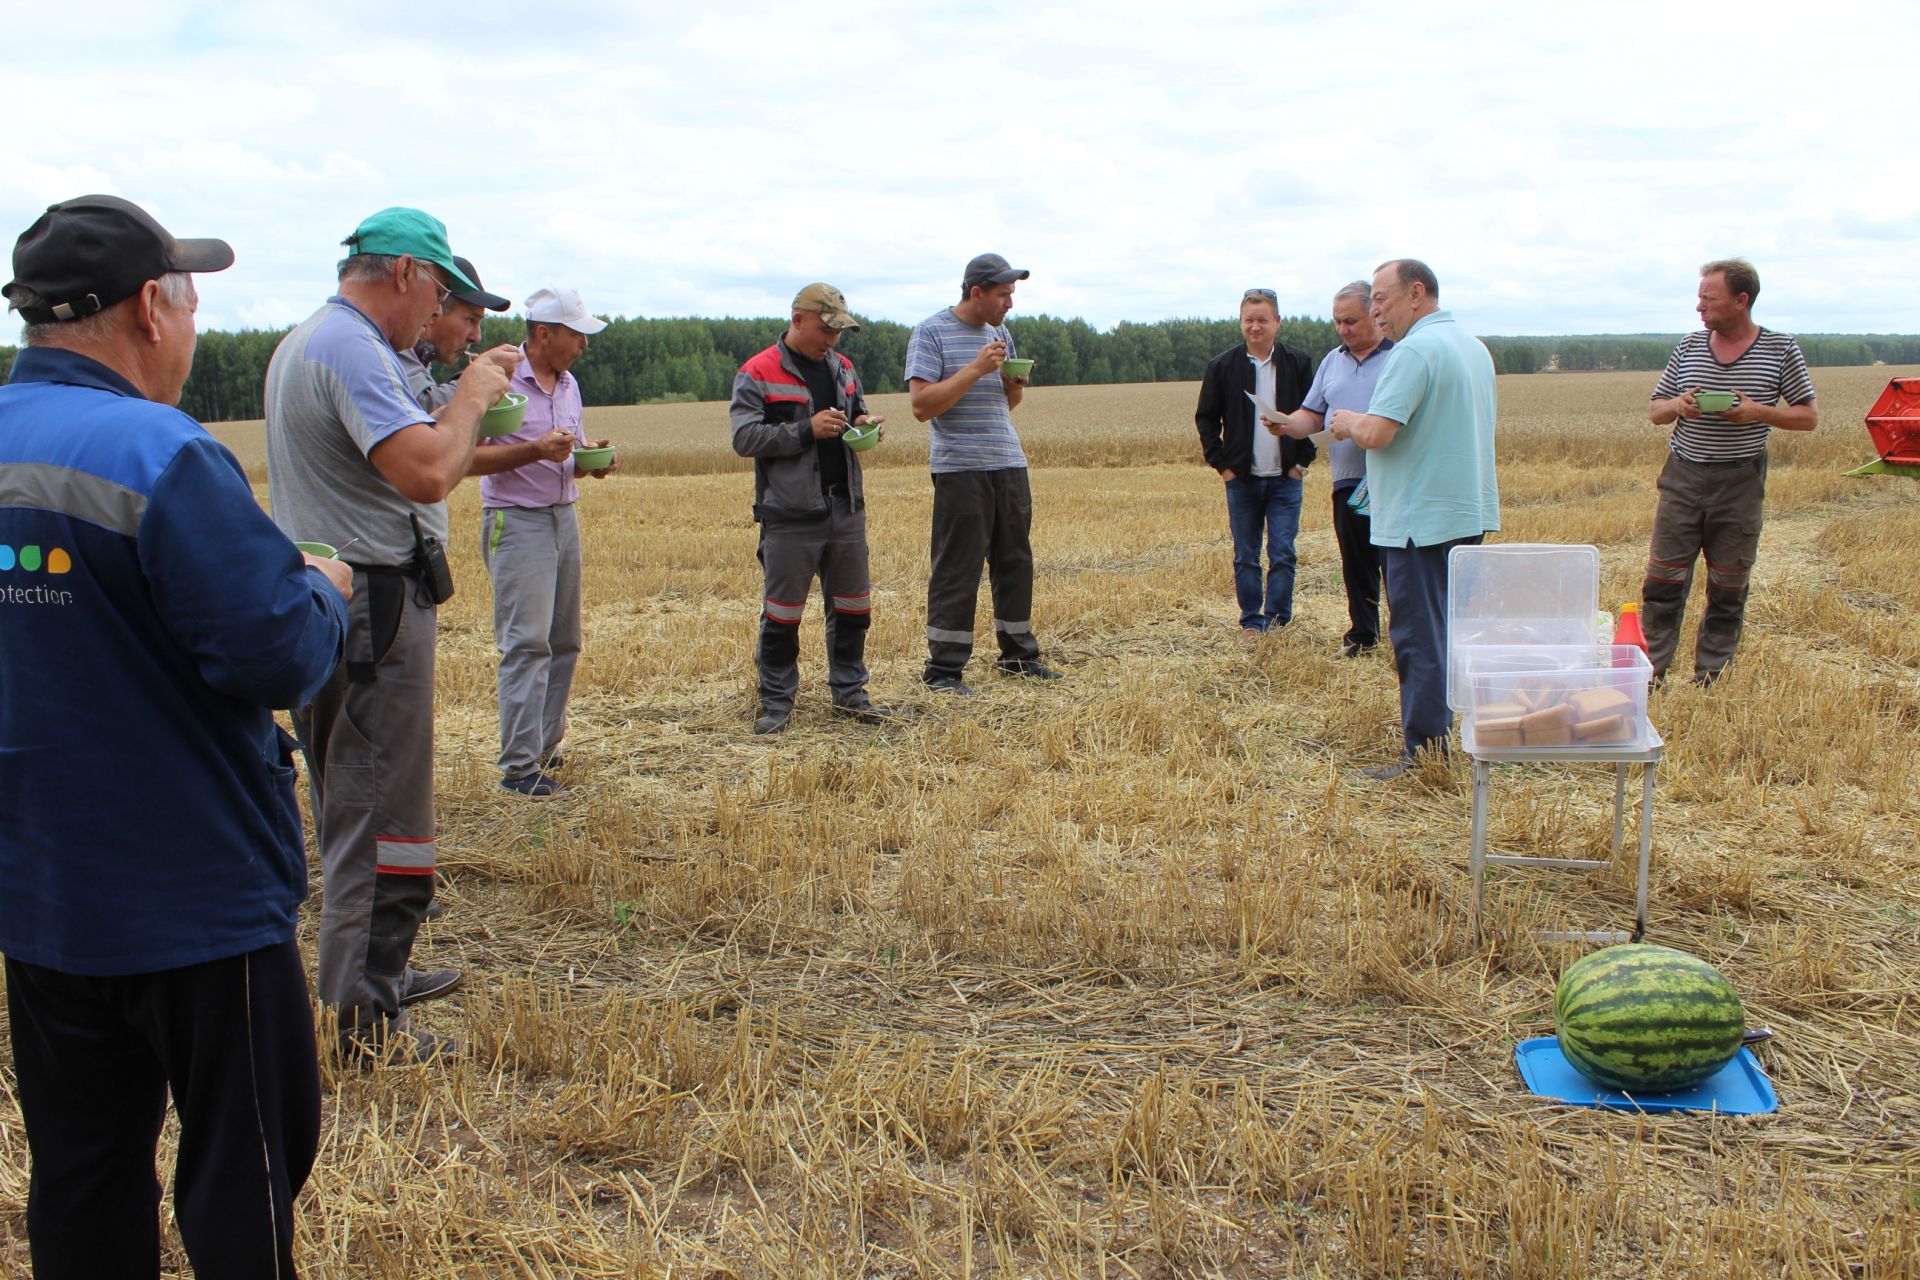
(1562, 169)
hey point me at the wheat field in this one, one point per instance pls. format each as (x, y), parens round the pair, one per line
(1130, 975)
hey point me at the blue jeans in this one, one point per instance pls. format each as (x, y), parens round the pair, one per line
(1417, 594)
(1273, 502)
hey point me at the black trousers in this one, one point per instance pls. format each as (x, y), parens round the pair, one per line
(980, 516)
(95, 1059)
(1359, 569)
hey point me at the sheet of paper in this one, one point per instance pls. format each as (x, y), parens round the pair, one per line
(1263, 406)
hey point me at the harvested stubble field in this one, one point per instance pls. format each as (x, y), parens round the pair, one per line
(1126, 975)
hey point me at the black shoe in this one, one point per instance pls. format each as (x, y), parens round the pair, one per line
(1028, 668)
(1388, 772)
(536, 784)
(1354, 649)
(863, 710)
(949, 684)
(382, 1040)
(552, 761)
(427, 984)
(436, 909)
(771, 722)
(1705, 679)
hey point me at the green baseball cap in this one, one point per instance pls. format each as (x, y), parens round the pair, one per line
(400, 231)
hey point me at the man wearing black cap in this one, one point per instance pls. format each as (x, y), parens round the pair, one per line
(982, 506)
(448, 336)
(151, 862)
(353, 457)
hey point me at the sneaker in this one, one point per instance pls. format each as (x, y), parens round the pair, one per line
(427, 984)
(1028, 668)
(771, 722)
(1387, 772)
(1250, 636)
(436, 909)
(1705, 679)
(392, 1041)
(1354, 649)
(552, 761)
(863, 710)
(949, 684)
(536, 784)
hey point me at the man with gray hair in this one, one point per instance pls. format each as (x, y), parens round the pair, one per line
(1345, 380)
(355, 461)
(1713, 488)
(151, 861)
(1428, 431)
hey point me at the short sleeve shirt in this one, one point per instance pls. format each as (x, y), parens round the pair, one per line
(977, 433)
(418, 366)
(1435, 483)
(1341, 382)
(335, 389)
(540, 483)
(1770, 371)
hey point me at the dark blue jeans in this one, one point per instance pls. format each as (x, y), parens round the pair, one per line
(1417, 594)
(1271, 503)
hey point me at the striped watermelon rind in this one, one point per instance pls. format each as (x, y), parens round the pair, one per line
(1644, 1019)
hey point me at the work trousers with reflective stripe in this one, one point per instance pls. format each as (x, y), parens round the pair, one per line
(533, 555)
(1712, 509)
(95, 1058)
(793, 552)
(980, 516)
(1417, 595)
(368, 738)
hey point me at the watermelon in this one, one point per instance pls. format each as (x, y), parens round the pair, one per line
(1646, 1019)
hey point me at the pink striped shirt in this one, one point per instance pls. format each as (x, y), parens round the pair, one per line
(539, 483)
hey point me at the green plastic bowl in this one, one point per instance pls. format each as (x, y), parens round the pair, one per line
(506, 415)
(1714, 401)
(325, 550)
(1016, 368)
(861, 439)
(593, 459)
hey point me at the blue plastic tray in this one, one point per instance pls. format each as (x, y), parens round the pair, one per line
(1740, 1088)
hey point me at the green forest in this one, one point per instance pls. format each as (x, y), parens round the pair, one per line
(646, 361)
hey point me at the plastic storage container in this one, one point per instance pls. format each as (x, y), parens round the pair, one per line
(1556, 698)
(1523, 593)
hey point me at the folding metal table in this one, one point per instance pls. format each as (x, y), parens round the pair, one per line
(1646, 756)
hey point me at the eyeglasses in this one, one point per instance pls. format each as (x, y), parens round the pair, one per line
(1261, 295)
(440, 292)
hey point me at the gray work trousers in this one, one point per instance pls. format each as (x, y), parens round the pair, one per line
(533, 555)
(980, 516)
(368, 739)
(1711, 510)
(793, 552)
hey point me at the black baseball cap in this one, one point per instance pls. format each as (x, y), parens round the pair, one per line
(478, 296)
(991, 268)
(85, 254)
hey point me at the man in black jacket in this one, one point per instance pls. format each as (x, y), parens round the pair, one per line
(1263, 471)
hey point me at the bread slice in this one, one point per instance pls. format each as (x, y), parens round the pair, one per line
(1598, 704)
(1614, 728)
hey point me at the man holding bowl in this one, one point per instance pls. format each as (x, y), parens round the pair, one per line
(799, 413)
(1724, 389)
(530, 541)
(355, 461)
(982, 504)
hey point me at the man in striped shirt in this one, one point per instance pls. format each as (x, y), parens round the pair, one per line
(1713, 487)
(982, 507)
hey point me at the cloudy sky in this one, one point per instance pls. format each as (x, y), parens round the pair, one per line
(1564, 168)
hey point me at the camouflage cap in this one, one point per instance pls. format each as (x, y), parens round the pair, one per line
(829, 304)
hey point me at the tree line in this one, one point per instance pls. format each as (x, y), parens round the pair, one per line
(648, 361)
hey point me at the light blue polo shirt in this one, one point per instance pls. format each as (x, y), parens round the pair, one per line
(1436, 481)
(1342, 382)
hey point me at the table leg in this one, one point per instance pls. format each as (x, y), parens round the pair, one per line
(1646, 849)
(1477, 859)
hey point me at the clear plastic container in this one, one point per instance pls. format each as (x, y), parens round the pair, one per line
(1515, 594)
(1584, 697)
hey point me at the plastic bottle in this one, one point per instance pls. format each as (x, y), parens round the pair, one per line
(1628, 632)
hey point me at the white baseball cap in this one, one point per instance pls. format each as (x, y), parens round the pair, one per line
(553, 305)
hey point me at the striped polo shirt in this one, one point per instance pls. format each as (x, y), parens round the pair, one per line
(977, 433)
(1771, 371)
